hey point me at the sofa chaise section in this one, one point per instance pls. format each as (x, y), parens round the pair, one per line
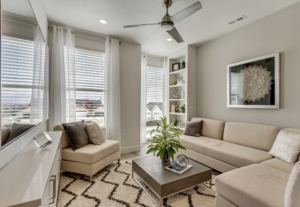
(255, 185)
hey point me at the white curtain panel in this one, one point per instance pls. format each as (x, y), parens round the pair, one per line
(57, 101)
(39, 91)
(70, 77)
(62, 84)
(143, 99)
(112, 90)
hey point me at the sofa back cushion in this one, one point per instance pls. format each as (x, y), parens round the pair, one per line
(211, 128)
(64, 139)
(251, 135)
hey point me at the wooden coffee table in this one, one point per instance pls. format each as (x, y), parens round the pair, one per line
(165, 183)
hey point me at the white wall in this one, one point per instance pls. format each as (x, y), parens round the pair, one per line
(41, 16)
(130, 68)
(279, 32)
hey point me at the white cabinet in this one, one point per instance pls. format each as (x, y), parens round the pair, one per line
(32, 177)
(49, 198)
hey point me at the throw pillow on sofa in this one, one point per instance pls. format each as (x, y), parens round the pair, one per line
(95, 133)
(193, 128)
(286, 146)
(76, 134)
(4, 134)
(18, 129)
(292, 198)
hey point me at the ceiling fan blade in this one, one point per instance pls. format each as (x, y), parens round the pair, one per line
(175, 34)
(141, 25)
(186, 12)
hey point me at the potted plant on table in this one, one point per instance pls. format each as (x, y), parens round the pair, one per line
(182, 108)
(164, 141)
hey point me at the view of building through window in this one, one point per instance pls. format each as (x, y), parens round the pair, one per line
(16, 80)
(155, 96)
(90, 84)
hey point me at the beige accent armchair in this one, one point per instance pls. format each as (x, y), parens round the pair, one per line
(89, 159)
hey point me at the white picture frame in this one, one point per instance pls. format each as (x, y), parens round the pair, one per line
(233, 100)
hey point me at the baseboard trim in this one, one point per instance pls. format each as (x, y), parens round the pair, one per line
(130, 149)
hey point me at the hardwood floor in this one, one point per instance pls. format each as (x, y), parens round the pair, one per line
(135, 154)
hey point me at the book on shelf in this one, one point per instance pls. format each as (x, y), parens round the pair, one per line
(178, 172)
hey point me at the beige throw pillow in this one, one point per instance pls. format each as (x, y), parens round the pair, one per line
(286, 147)
(292, 198)
(95, 133)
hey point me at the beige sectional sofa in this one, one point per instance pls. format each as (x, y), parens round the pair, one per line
(251, 177)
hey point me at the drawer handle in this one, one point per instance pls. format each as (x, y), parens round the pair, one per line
(53, 179)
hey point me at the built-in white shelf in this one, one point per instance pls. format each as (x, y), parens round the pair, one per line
(177, 99)
(180, 114)
(173, 86)
(178, 71)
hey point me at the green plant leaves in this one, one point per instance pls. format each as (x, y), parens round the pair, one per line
(165, 138)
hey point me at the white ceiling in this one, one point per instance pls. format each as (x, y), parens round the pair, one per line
(208, 23)
(18, 7)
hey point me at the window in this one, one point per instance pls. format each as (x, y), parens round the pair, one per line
(155, 92)
(90, 85)
(17, 77)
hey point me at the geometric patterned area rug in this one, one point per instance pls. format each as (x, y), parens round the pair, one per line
(114, 186)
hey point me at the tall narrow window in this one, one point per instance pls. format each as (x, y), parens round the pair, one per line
(90, 85)
(155, 93)
(17, 77)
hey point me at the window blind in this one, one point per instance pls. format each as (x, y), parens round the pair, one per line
(90, 85)
(155, 92)
(17, 76)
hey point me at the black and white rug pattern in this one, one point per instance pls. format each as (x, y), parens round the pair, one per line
(114, 186)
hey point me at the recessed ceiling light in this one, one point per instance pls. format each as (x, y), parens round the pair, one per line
(103, 21)
(169, 39)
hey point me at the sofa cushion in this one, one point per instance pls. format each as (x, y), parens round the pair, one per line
(211, 128)
(17, 130)
(279, 165)
(251, 135)
(64, 139)
(76, 134)
(233, 154)
(4, 135)
(255, 185)
(96, 136)
(91, 153)
(292, 198)
(286, 147)
(193, 128)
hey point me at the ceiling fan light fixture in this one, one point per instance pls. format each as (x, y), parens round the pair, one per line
(167, 26)
(169, 39)
(103, 21)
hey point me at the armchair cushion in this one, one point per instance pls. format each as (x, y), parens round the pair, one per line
(76, 134)
(91, 153)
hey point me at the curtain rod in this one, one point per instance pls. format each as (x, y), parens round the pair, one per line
(20, 21)
(85, 34)
(154, 57)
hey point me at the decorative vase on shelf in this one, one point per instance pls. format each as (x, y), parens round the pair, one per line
(183, 110)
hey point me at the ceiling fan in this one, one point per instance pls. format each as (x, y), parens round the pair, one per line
(167, 23)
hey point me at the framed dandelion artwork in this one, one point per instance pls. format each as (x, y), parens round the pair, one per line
(254, 83)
